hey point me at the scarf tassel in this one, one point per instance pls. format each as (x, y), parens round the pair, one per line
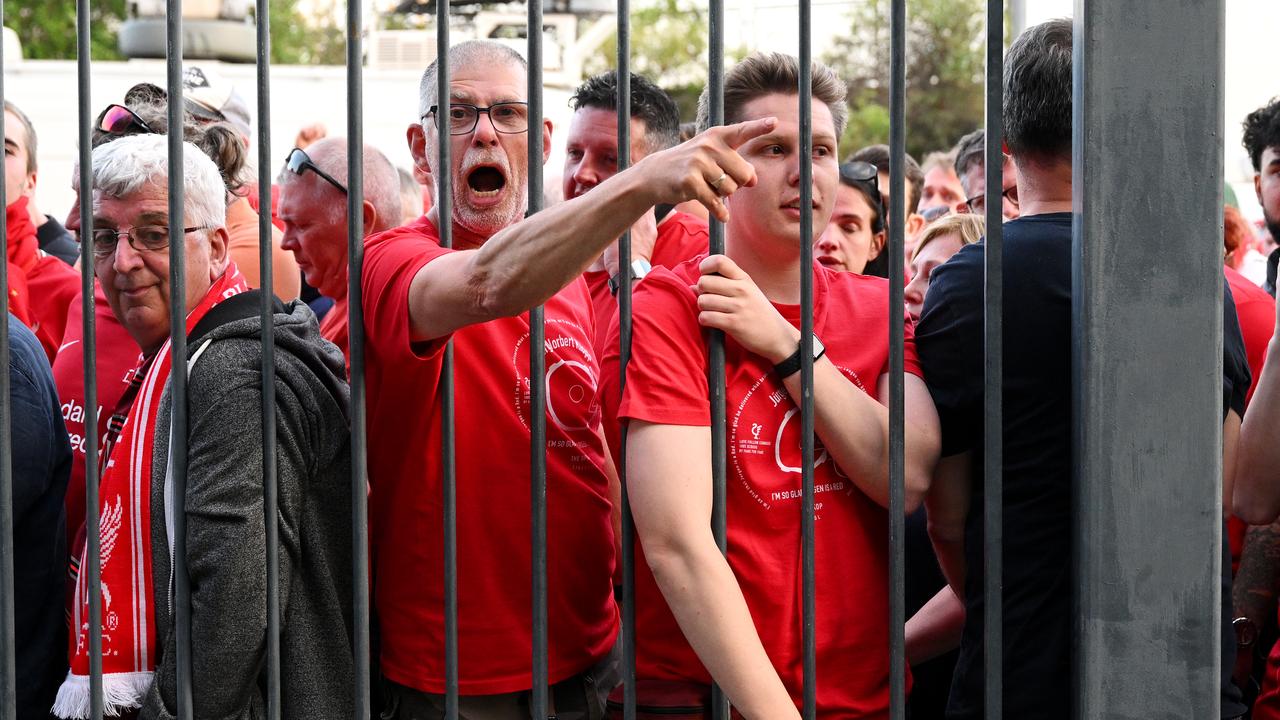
(120, 692)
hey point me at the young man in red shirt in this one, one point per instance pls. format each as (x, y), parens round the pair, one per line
(418, 296)
(737, 619)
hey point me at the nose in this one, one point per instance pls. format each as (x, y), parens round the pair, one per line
(125, 259)
(586, 175)
(289, 239)
(484, 133)
(913, 293)
(827, 243)
(73, 217)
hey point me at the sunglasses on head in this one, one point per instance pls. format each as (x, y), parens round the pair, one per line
(299, 162)
(859, 172)
(120, 120)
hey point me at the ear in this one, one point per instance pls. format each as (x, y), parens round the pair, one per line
(370, 218)
(546, 141)
(877, 245)
(218, 252)
(417, 139)
(915, 223)
(29, 185)
(1257, 187)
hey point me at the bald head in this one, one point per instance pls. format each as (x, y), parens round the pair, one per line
(463, 55)
(381, 183)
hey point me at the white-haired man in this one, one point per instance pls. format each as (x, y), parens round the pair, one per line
(418, 296)
(225, 537)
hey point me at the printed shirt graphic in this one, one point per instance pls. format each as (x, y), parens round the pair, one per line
(491, 366)
(117, 358)
(666, 383)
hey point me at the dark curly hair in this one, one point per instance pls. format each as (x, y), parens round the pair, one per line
(219, 140)
(649, 103)
(1262, 131)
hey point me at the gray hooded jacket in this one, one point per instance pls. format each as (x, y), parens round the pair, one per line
(226, 536)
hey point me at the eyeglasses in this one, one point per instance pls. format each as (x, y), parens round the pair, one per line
(143, 238)
(298, 161)
(858, 171)
(978, 203)
(507, 117)
(120, 120)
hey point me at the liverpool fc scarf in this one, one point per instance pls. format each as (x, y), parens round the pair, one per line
(128, 618)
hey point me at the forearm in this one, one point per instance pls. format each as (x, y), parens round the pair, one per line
(707, 602)
(1253, 592)
(936, 628)
(1256, 496)
(525, 264)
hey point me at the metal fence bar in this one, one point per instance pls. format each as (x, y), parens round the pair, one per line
(178, 347)
(448, 460)
(355, 323)
(1149, 473)
(8, 643)
(539, 700)
(89, 341)
(270, 499)
(715, 342)
(808, 599)
(993, 382)
(624, 356)
(897, 404)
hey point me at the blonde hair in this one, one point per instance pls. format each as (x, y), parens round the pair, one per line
(968, 226)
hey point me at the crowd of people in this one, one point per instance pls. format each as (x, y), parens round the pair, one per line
(701, 616)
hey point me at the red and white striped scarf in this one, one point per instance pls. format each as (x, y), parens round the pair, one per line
(128, 618)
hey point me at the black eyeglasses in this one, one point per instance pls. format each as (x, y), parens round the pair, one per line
(507, 117)
(120, 120)
(298, 161)
(978, 203)
(143, 238)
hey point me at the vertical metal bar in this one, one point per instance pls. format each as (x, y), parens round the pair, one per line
(270, 500)
(448, 460)
(93, 506)
(355, 323)
(537, 386)
(178, 347)
(993, 382)
(808, 585)
(624, 357)
(8, 651)
(897, 405)
(1147, 474)
(715, 345)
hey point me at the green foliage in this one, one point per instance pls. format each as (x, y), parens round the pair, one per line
(669, 46)
(944, 92)
(298, 39)
(47, 28)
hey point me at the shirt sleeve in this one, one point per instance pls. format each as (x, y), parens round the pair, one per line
(667, 374)
(391, 261)
(948, 342)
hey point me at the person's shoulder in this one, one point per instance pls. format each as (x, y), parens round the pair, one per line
(683, 223)
(26, 354)
(419, 232)
(961, 273)
(679, 279)
(1244, 291)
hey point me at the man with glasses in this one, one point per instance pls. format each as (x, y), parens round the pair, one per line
(313, 206)
(223, 506)
(418, 297)
(971, 168)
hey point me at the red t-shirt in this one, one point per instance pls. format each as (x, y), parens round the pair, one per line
(492, 450)
(117, 357)
(667, 383)
(334, 327)
(680, 236)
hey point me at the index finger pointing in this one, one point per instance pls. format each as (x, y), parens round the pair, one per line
(740, 133)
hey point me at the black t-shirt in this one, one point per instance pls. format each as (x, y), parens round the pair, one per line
(1038, 613)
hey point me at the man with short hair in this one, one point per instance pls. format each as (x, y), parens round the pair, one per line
(971, 169)
(665, 237)
(941, 187)
(41, 286)
(313, 206)
(226, 529)
(736, 618)
(20, 181)
(1038, 411)
(418, 297)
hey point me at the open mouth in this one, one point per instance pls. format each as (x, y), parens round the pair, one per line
(486, 180)
(830, 261)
